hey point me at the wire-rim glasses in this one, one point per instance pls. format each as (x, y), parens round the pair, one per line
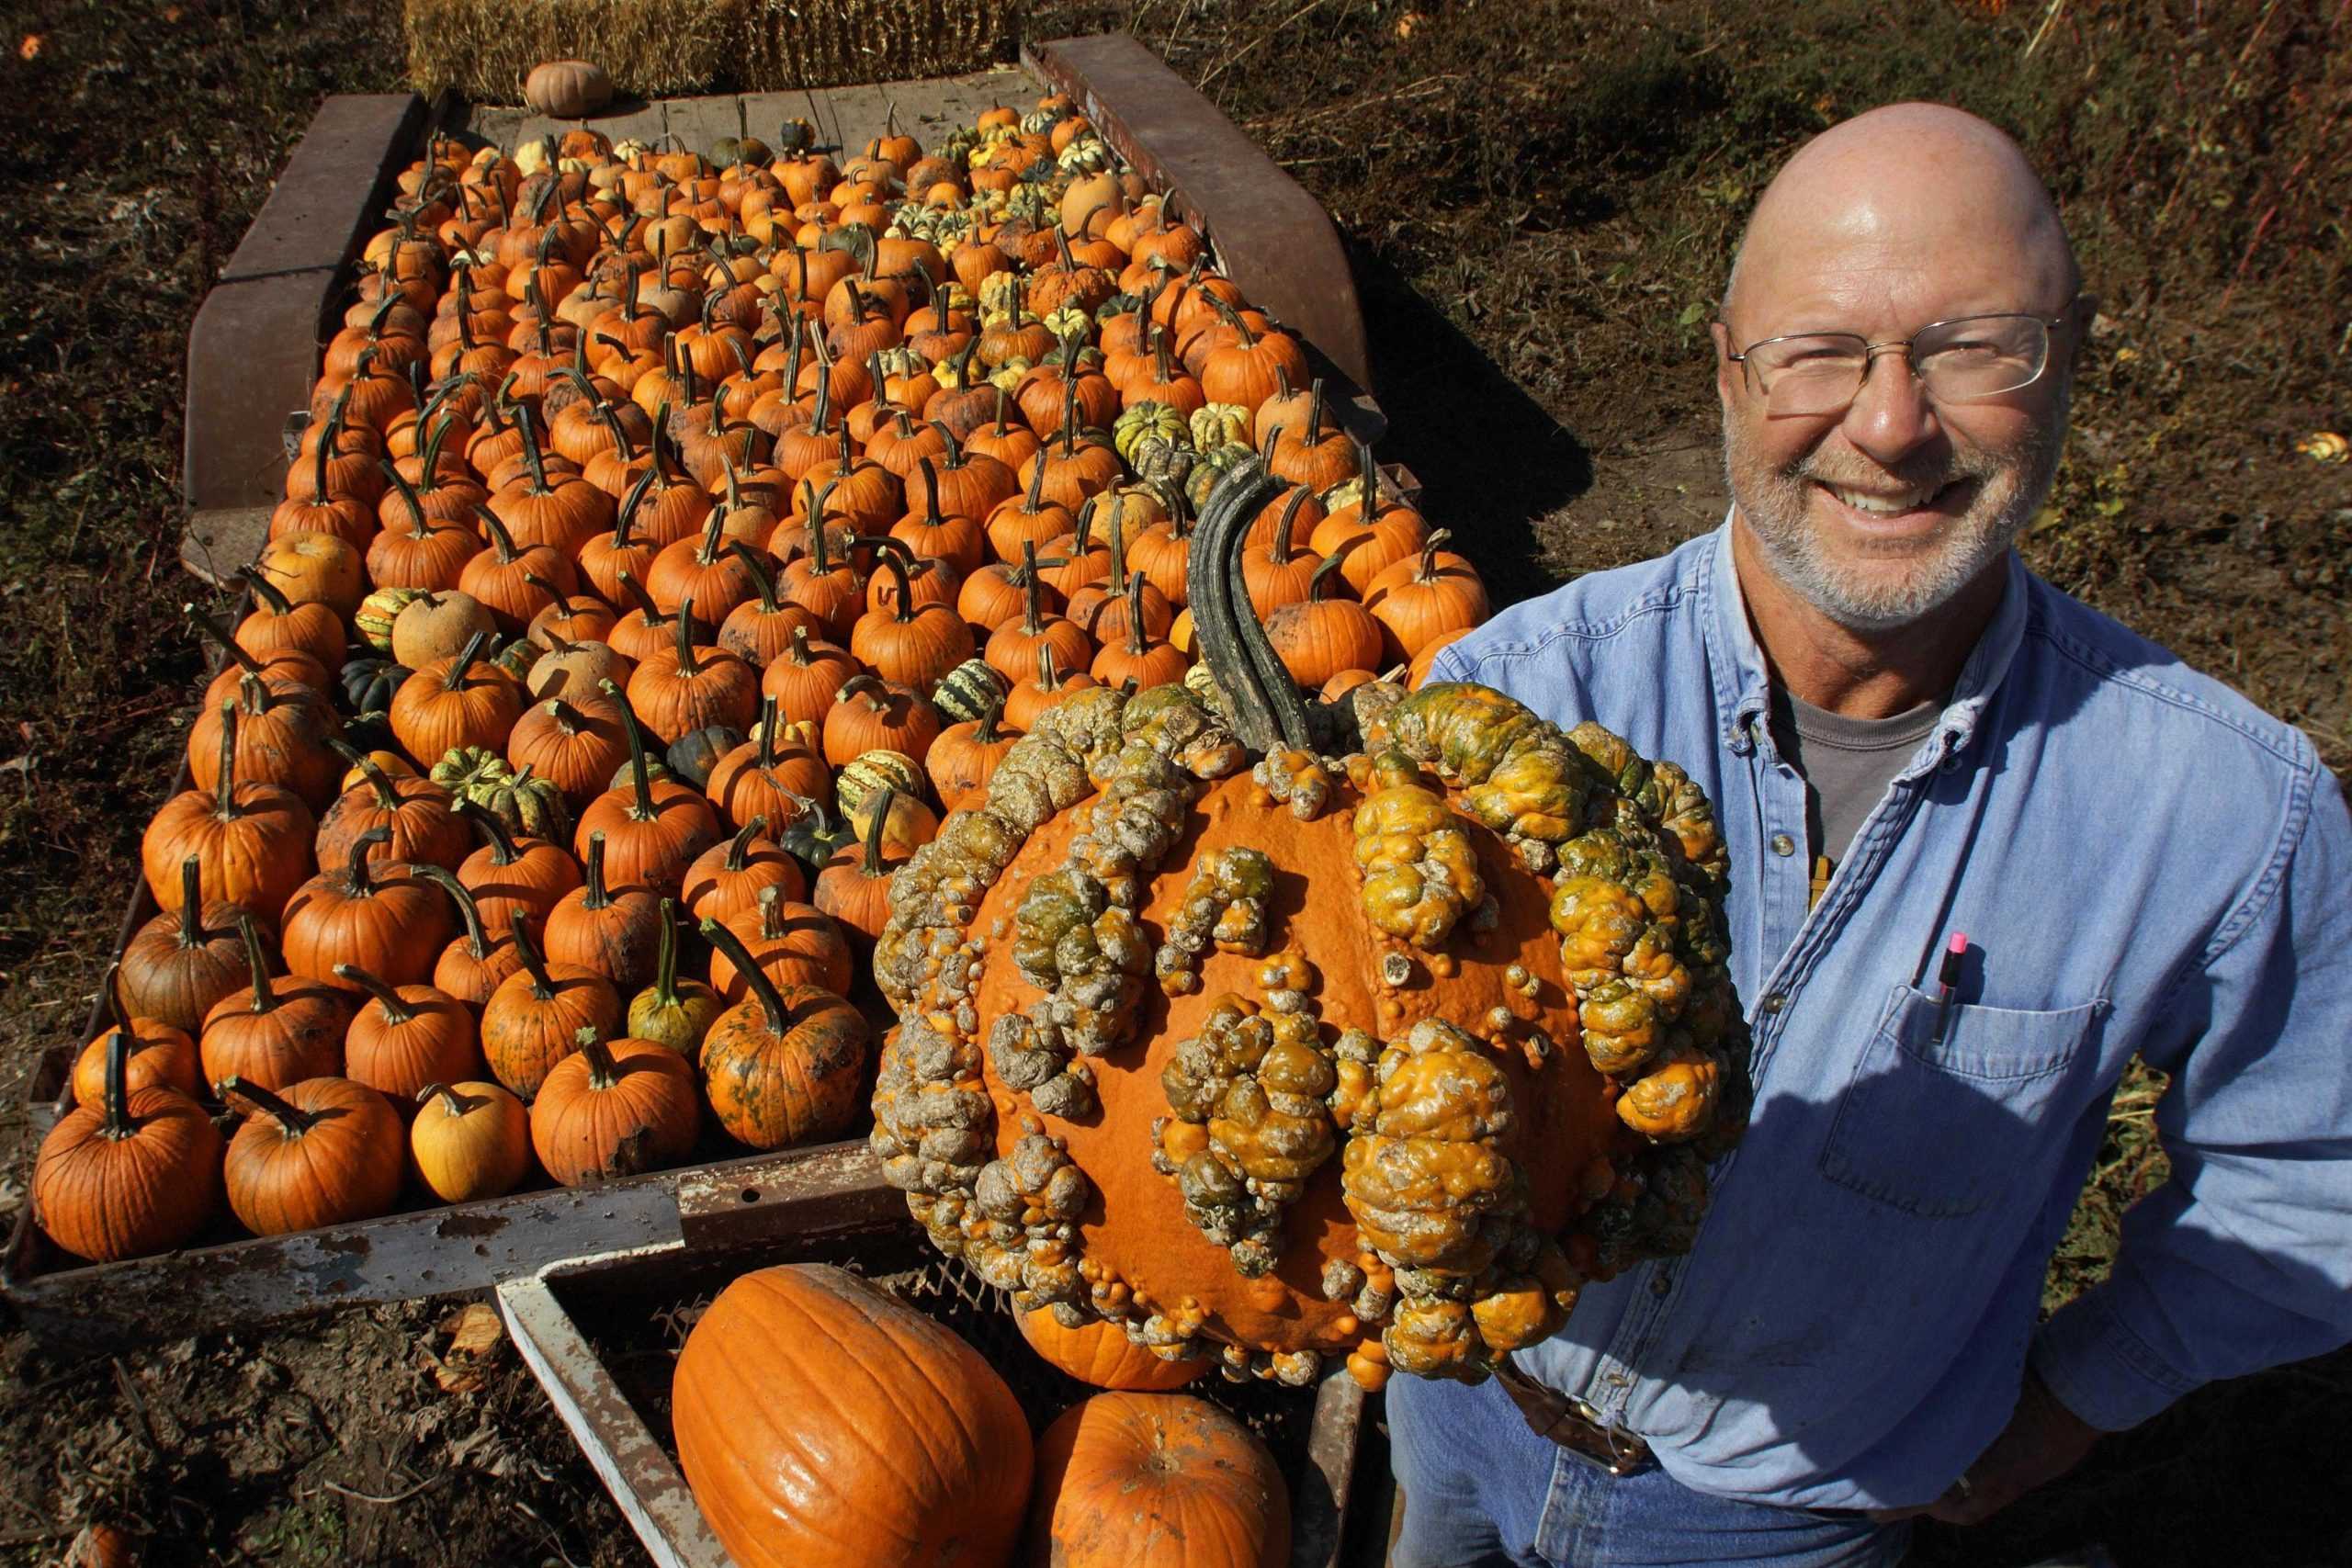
(1960, 360)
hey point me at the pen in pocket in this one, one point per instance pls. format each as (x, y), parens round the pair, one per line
(1948, 975)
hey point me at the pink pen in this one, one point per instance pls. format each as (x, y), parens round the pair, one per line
(1947, 976)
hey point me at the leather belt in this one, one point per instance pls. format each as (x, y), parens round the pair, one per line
(1558, 1418)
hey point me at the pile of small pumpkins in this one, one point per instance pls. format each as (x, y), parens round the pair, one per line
(672, 539)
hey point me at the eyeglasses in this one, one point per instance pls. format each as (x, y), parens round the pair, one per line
(1958, 361)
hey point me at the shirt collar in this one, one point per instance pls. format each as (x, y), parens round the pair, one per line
(1744, 680)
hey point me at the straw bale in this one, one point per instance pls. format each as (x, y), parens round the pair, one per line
(482, 49)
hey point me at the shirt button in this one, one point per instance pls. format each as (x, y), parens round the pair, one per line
(1784, 845)
(1774, 1002)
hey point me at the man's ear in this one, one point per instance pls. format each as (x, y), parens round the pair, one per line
(1728, 372)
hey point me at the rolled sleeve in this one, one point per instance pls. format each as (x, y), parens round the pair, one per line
(2243, 1259)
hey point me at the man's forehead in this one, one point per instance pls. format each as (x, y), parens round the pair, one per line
(1912, 200)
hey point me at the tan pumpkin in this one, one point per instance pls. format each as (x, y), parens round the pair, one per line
(567, 89)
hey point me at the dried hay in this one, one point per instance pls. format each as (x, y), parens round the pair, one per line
(482, 49)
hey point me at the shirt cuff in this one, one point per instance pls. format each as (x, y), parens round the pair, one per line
(2099, 1368)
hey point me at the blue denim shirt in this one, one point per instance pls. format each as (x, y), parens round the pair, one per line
(2142, 862)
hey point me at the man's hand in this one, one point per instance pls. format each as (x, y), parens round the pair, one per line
(2043, 1441)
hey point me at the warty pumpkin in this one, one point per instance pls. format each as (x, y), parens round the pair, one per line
(1100, 1355)
(922, 1458)
(1223, 1167)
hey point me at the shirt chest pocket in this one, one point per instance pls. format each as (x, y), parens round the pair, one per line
(1944, 1115)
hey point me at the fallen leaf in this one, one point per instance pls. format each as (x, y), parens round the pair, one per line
(30, 48)
(474, 1331)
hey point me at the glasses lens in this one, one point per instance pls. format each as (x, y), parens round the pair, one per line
(1809, 375)
(1981, 356)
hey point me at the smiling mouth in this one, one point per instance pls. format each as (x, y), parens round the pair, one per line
(1887, 503)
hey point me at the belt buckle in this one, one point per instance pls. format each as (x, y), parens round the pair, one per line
(1619, 1453)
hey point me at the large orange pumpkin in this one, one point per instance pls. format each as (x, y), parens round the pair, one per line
(1283, 1062)
(1099, 1354)
(877, 1439)
(1158, 1478)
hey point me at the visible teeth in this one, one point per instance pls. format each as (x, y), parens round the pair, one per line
(1862, 502)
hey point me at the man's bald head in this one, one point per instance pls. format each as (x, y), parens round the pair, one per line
(1906, 174)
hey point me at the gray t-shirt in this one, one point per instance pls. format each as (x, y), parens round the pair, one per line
(1847, 763)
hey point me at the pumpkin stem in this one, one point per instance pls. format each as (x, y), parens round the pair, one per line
(1283, 525)
(237, 654)
(688, 665)
(466, 657)
(597, 898)
(625, 521)
(531, 450)
(115, 1098)
(535, 963)
(477, 942)
(257, 961)
(1031, 593)
(887, 555)
(1325, 569)
(639, 597)
(386, 798)
(1035, 501)
(604, 1073)
(1138, 644)
(930, 493)
(763, 581)
(295, 1120)
(407, 493)
(396, 1011)
(502, 852)
(266, 591)
(640, 777)
(1367, 483)
(665, 961)
(224, 788)
(192, 901)
(1268, 712)
(876, 825)
(779, 1017)
(363, 884)
(738, 848)
(452, 1103)
(764, 737)
(500, 539)
(1428, 572)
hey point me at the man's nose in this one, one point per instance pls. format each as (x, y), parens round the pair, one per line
(1891, 417)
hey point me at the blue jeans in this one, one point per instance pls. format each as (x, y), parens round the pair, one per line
(1481, 1490)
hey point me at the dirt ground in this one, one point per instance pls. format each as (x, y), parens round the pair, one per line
(1540, 200)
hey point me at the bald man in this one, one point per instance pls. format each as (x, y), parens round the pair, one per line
(1984, 846)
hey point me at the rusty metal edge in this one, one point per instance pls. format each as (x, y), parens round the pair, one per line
(1187, 149)
(641, 1475)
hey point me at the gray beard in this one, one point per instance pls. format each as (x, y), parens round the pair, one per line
(2012, 485)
